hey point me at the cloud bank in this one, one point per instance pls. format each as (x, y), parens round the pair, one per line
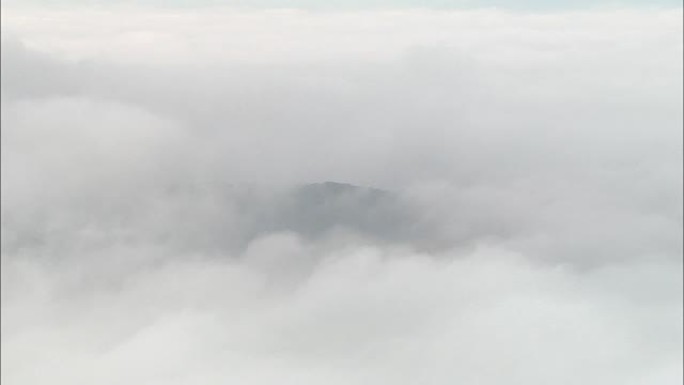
(151, 158)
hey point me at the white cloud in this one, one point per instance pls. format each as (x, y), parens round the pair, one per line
(145, 151)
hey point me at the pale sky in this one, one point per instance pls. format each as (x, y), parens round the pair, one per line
(535, 5)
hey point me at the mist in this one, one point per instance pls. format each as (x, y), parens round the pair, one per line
(223, 195)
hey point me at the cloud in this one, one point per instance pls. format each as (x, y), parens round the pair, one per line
(155, 228)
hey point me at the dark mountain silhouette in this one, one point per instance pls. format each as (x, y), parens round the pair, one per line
(315, 209)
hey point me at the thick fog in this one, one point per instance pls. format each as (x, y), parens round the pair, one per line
(262, 197)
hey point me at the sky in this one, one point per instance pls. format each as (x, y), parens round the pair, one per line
(155, 228)
(528, 5)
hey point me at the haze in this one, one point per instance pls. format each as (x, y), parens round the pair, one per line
(216, 195)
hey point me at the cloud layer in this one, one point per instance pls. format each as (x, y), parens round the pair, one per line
(143, 152)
